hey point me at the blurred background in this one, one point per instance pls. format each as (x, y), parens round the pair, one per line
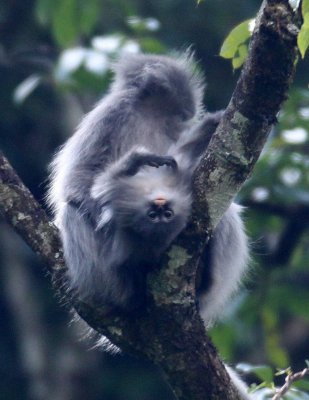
(55, 57)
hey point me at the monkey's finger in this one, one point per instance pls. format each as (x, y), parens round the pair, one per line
(154, 164)
(171, 162)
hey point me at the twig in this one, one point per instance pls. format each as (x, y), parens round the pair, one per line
(289, 380)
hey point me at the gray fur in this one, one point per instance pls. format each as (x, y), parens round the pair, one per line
(229, 258)
(239, 384)
(121, 159)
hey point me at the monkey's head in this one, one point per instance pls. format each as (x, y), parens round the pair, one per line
(153, 205)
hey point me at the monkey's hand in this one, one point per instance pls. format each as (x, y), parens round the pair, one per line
(138, 160)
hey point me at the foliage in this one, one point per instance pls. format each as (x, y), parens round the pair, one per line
(81, 68)
(235, 45)
(285, 158)
(69, 19)
(303, 37)
(278, 197)
(294, 389)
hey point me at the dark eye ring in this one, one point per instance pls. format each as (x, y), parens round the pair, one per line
(152, 214)
(168, 214)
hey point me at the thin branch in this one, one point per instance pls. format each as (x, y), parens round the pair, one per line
(289, 380)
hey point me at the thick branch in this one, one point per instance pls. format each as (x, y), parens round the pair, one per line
(256, 101)
(170, 332)
(19, 208)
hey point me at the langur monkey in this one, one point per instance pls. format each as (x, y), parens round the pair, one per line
(121, 188)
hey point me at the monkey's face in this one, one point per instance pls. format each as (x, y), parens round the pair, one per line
(154, 206)
(158, 218)
(157, 222)
(160, 211)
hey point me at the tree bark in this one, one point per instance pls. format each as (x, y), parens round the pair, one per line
(169, 332)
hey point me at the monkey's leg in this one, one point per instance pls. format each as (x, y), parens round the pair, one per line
(194, 143)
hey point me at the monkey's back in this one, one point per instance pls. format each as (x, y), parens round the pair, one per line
(151, 103)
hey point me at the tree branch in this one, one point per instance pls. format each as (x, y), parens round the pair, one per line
(255, 103)
(170, 332)
(289, 380)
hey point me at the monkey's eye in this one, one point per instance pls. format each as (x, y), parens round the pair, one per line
(168, 214)
(152, 215)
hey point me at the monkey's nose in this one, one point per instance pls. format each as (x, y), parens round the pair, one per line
(160, 201)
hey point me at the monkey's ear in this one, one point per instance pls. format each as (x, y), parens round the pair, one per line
(104, 218)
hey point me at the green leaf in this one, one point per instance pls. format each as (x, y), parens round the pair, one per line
(302, 385)
(65, 22)
(241, 56)
(224, 338)
(89, 13)
(276, 353)
(151, 45)
(263, 372)
(303, 36)
(305, 7)
(237, 37)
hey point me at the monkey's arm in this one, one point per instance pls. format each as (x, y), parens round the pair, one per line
(127, 166)
(96, 260)
(132, 163)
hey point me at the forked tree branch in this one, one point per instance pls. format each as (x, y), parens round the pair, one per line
(170, 332)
